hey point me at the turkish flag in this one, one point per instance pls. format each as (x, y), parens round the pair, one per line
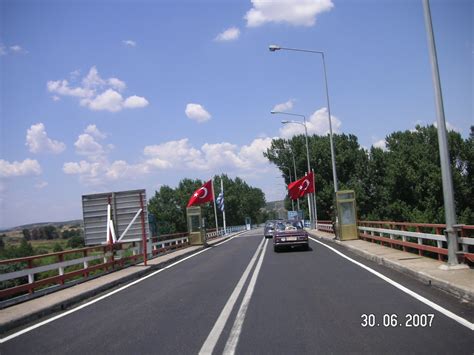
(301, 187)
(202, 195)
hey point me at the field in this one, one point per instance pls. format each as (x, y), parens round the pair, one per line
(14, 237)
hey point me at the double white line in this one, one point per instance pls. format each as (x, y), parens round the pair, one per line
(216, 331)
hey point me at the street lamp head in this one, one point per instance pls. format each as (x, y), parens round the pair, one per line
(285, 121)
(273, 47)
(272, 112)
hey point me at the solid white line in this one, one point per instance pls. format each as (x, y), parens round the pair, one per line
(216, 330)
(234, 336)
(420, 298)
(26, 330)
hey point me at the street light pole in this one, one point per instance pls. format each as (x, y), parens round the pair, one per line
(447, 181)
(274, 48)
(292, 202)
(311, 202)
(294, 170)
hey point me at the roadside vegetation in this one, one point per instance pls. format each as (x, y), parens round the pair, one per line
(401, 182)
(168, 205)
(41, 240)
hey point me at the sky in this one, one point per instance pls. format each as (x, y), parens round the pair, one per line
(100, 96)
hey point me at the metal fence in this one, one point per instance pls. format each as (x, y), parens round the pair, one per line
(423, 239)
(48, 272)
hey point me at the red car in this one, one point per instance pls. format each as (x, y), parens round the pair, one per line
(289, 233)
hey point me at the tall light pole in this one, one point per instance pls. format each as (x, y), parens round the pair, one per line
(292, 202)
(447, 179)
(294, 169)
(311, 206)
(274, 48)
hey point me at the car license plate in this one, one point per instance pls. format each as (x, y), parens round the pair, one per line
(291, 239)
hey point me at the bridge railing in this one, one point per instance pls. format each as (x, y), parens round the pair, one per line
(212, 233)
(421, 238)
(28, 275)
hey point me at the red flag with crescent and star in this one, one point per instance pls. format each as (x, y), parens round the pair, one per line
(202, 195)
(301, 187)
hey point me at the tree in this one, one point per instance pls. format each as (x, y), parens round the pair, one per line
(350, 162)
(57, 247)
(240, 200)
(75, 242)
(401, 183)
(25, 249)
(26, 234)
(49, 232)
(168, 205)
(69, 233)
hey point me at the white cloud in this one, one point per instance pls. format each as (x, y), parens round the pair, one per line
(109, 100)
(38, 141)
(3, 50)
(96, 169)
(61, 87)
(55, 98)
(83, 167)
(230, 34)
(285, 106)
(88, 146)
(24, 168)
(120, 169)
(93, 79)
(317, 123)
(181, 155)
(41, 184)
(172, 154)
(380, 144)
(94, 131)
(75, 74)
(197, 113)
(96, 93)
(117, 84)
(135, 102)
(18, 49)
(129, 43)
(254, 151)
(294, 12)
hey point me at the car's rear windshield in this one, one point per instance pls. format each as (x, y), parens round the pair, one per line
(288, 225)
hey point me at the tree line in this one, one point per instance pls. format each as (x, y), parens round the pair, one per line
(168, 205)
(50, 232)
(74, 237)
(399, 183)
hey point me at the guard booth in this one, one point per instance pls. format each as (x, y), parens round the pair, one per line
(248, 223)
(346, 212)
(196, 227)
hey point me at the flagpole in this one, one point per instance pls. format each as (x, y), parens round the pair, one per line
(310, 208)
(215, 210)
(314, 200)
(223, 210)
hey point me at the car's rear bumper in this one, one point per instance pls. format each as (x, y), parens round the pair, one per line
(289, 243)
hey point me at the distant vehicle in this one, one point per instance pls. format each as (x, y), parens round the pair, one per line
(289, 233)
(269, 229)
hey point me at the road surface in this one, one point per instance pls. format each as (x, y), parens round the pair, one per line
(241, 297)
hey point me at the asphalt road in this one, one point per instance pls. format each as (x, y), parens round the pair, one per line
(293, 302)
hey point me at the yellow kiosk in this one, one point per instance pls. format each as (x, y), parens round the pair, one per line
(346, 212)
(196, 228)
